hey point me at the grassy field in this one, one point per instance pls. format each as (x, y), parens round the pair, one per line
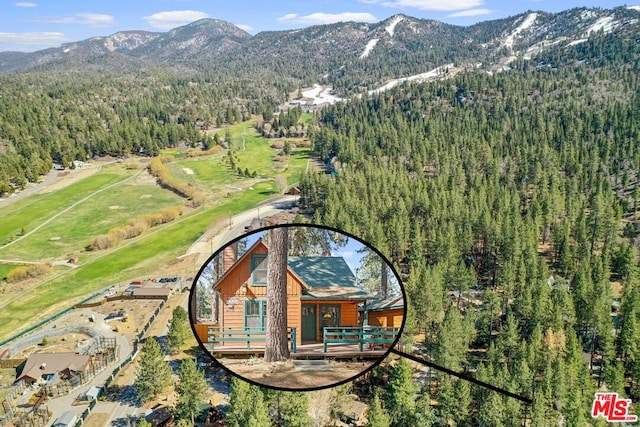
(254, 153)
(139, 257)
(297, 164)
(6, 268)
(71, 232)
(206, 171)
(32, 211)
(74, 229)
(307, 118)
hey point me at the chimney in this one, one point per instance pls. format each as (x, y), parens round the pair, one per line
(229, 256)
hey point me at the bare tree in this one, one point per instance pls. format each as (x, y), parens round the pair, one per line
(276, 348)
(281, 183)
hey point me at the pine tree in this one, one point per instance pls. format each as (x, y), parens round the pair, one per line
(425, 415)
(192, 390)
(179, 329)
(401, 394)
(154, 373)
(377, 415)
(290, 409)
(247, 407)
(276, 344)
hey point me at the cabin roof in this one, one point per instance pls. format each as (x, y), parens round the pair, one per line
(327, 278)
(322, 278)
(389, 303)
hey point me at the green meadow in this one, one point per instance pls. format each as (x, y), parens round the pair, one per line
(207, 171)
(29, 213)
(68, 233)
(254, 153)
(5, 269)
(71, 232)
(139, 257)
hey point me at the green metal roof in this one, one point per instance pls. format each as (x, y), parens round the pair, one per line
(395, 301)
(327, 278)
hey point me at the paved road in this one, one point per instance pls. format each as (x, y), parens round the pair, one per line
(233, 227)
(49, 179)
(127, 409)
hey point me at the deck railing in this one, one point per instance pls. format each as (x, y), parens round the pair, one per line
(248, 336)
(358, 335)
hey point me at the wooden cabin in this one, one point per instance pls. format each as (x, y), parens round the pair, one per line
(321, 291)
(388, 312)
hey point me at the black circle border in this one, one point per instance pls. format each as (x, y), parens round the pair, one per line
(271, 387)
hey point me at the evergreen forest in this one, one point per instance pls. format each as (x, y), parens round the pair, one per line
(509, 203)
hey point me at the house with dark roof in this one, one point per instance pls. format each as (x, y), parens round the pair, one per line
(46, 365)
(321, 292)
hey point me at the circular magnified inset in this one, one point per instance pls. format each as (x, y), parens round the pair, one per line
(297, 307)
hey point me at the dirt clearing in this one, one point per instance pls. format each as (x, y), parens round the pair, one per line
(284, 374)
(96, 419)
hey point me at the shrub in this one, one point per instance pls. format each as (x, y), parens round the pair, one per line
(27, 272)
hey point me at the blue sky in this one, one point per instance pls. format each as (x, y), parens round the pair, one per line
(32, 25)
(350, 252)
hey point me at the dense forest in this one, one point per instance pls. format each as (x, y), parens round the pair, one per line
(509, 202)
(66, 116)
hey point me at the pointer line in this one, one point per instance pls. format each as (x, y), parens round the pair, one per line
(462, 376)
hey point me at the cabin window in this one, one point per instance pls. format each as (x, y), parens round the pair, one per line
(259, 270)
(255, 314)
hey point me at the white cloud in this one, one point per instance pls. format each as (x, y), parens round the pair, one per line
(288, 17)
(30, 41)
(88, 19)
(174, 18)
(328, 18)
(245, 27)
(25, 4)
(442, 5)
(470, 12)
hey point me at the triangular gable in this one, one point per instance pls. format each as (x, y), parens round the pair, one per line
(257, 244)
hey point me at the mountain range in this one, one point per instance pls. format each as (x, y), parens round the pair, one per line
(350, 56)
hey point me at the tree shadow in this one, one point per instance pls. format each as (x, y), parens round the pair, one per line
(124, 394)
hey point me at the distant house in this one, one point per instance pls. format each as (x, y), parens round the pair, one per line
(92, 394)
(160, 417)
(67, 419)
(151, 293)
(293, 190)
(321, 291)
(43, 365)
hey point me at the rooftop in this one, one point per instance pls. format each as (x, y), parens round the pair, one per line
(327, 278)
(39, 364)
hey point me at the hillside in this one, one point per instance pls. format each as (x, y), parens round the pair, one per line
(138, 92)
(496, 165)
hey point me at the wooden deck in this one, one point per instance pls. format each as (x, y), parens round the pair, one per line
(305, 351)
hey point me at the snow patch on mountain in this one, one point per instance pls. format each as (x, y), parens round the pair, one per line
(575, 42)
(320, 95)
(526, 23)
(422, 77)
(636, 7)
(391, 26)
(605, 23)
(368, 48)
